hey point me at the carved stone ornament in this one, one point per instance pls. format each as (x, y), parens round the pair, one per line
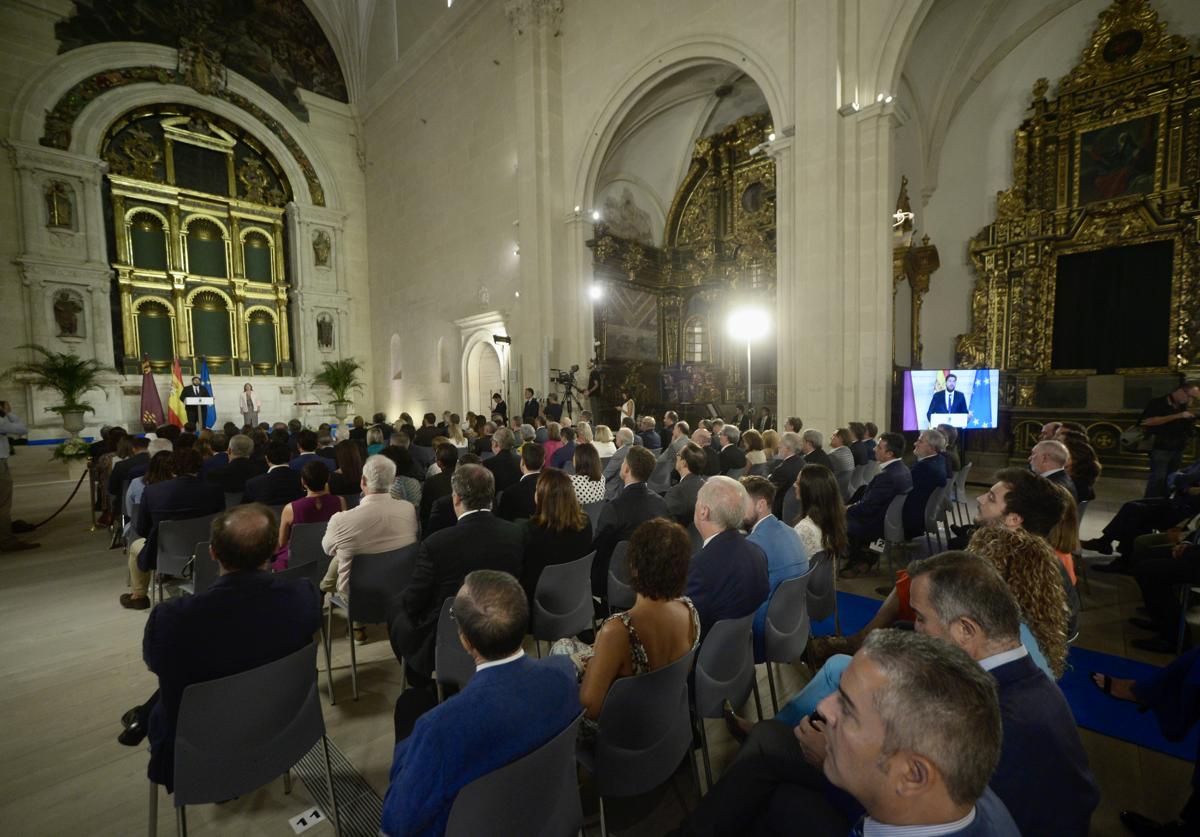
(322, 248)
(325, 332)
(256, 183)
(136, 156)
(524, 14)
(67, 308)
(201, 68)
(59, 209)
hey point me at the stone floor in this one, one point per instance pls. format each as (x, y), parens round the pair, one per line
(70, 662)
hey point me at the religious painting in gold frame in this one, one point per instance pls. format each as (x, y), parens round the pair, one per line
(1119, 158)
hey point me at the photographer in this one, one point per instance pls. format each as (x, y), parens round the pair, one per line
(592, 393)
(10, 425)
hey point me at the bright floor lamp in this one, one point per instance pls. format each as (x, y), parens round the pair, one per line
(747, 324)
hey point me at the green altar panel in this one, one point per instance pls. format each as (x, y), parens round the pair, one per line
(154, 335)
(206, 257)
(149, 248)
(258, 263)
(262, 343)
(210, 333)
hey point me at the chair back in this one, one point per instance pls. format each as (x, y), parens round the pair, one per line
(177, 541)
(1080, 508)
(232, 498)
(844, 481)
(822, 591)
(660, 477)
(536, 795)
(645, 730)
(376, 581)
(786, 631)
(735, 473)
(205, 569)
(934, 511)
(725, 666)
(762, 469)
(592, 510)
(960, 482)
(893, 519)
(562, 602)
(305, 546)
(858, 476)
(220, 754)
(792, 509)
(314, 571)
(451, 662)
(352, 500)
(620, 594)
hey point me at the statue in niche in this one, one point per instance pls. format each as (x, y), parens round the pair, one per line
(58, 205)
(325, 332)
(626, 219)
(67, 308)
(902, 226)
(322, 247)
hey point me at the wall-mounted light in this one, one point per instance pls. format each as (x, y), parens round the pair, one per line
(577, 209)
(517, 250)
(849, 109)
(595, 292)
(771, 137)
(595, 214)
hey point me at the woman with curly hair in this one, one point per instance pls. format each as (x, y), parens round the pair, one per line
(1084, 465)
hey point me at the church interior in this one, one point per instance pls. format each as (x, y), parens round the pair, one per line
(816, 208)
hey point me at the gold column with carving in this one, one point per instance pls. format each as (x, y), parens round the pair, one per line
(281, 323)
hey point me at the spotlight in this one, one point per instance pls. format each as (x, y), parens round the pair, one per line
(595, 292)
(595, 214)
(517, 294)
(771, 137)
(887, 100)
(879, 98)
(576, 209)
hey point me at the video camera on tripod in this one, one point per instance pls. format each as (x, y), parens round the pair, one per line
(565, 378)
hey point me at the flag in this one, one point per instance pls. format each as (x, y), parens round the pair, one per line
(176, 414)
(152, 411)
(210, 414)
(981, 399)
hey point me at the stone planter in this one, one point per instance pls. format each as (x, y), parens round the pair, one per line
(341, 409)
(76, 468)
(72, 421)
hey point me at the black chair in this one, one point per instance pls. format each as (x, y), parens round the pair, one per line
(305, 544)
(620, 594)
(724, 671)
(822, 589)
(232, 498)
(562, 602)
(535, 795)
(451, 663)
(205, 569)
(785, 634)
(177, 541)
(893, 529)
(592, 510)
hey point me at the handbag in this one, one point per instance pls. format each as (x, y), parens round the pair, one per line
(1136, 440)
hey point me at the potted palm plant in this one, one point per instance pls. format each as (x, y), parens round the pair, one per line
(340, 377)
(67, 374)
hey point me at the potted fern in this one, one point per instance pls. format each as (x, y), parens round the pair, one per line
(67, 374)
(340, 377)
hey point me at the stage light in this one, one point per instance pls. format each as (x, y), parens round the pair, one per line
(879, 98)
(595, 214)
(748, 324)
(771, 137)
(576, 209)
(887, 100)
(517, 294)
(595, 292)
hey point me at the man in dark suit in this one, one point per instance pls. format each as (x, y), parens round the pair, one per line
(928, 475)
(784, 476)
(280, 484)
(949, 400)
(731, 455)
(479, 541)
(864, 519)
(220, 457)
(120, 473)
(666, 433)
(712, 457)
(765, 420)
(196, 415)
(503, 463)
(499, 408)
(812, 445)
(531, 410)
(517, 501)
(246, 619)
(306, 442)
(512, 706)
(727, 578)
(649, 436)
(427, 432)
(182, 498)
(681, 497)
(484, 443)
(325, 448)
(740, 420)
(438, 485)
(633, 506)
(1050, 459)
(624, 438)
(241, 467)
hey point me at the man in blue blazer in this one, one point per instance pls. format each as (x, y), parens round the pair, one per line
(512, 706)
(949, 400)
(785, 553)
(727, 578)
(864, 519)
(928, 475)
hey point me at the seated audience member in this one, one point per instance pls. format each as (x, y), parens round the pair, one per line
(841, 460)
(604, 441)
(503, 462)
(613, 469)
(667, 433)
(122, 472)
(483, 443)
(405, 486)
(727, 578)
(865, 518)
(872, 430)
(517, 502)
(752, 444)
(478, 541)
(588, 479)
(240, 468)
(374, 440)
(928, 475)
(765, 420)
(377, 524)
(183, 497)
(1159, 574)
(812, 445)
(633, 506)
(1142, 517)
(535, 433)
(791, 460)
(219, 458)
(740, 420)
(349, 459)
(793, 424)
(512, 706)
(649, 434)
(770, 441)
(279, 485)
(306, 442)
(246, 619)
(858, 445)
(950, 454)
(677, 441)
(661, 627)
(1064, 536)
(160, 469)
(731, 457)
(358, 430)
(557, 532)
(681, 497)
(566, 452)
(786, 556)
(912, 735)
(823, 526)
(1083, 465)
(1049, 459)
(427, 431)
(438, 485)
(325, 448)
(554, 439)
(316, 506)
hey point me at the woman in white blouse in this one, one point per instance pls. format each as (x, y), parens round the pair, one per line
(823, 526)
(588, 479)
(841, 458)
(752, 443)
(604, 444)
(249, 405)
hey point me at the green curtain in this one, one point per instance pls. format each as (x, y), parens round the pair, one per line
(210, 333)
(262, 342)
(258, 263)
(206, 257)
(149, 247)
(154, 335)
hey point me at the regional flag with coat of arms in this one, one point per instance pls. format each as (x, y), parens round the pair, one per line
(152, 411)
(176, 414)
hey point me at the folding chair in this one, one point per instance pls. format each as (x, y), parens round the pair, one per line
(177, 541)
(785, 635)
(620, 594)
(562, 602)
(724, 671)
(452, 664)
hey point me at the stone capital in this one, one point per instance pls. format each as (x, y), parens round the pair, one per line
(523, 15)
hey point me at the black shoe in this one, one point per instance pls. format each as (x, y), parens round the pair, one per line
(133, 735)
(1154, 644)
(1143, 826)
(1101, 545)
(131, 717)
(1145, 624)
(1120, 565)
(20, 527)
(731, 722)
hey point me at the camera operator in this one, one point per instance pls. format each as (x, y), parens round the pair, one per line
(10, 425)
(592, 393)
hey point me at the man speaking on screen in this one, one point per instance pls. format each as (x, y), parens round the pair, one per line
(949, 400)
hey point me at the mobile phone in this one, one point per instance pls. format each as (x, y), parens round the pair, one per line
(816, 716)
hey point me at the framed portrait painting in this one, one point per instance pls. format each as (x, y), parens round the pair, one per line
(1118, 160)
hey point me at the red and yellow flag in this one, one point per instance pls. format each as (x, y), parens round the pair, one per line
(176, 414)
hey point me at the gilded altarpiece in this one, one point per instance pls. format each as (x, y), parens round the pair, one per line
(659, 319)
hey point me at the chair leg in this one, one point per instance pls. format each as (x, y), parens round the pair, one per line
(603, 823)
(329, 648)
(328, 664)
(440, 692)
(704, 751)
(537, 644)
(1185, 599)
(353, 657)
(153, 809)
(771, 683)
(757, 699)
(337, 818)
(181, 821)
(287, 781)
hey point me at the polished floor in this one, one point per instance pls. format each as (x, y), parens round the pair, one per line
(70, 664)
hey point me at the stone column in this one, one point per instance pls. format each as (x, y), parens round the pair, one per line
(319, 288)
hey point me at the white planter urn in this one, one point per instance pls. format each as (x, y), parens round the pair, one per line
(72, 421)
(341, 409)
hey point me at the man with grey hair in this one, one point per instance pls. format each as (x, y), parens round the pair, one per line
(812, 445)
(1049, 458)
(928, 475)
(503, 462)
(612, 471)
(233, 476)
(712, 460)
(378, 523)
(732, 457)
(479, 540)
(727, 578)
(665, 464)
(785, 473)
(649, 435)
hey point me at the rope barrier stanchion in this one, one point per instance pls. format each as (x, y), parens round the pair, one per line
(92, 495)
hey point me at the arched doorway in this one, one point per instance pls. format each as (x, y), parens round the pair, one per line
(490, 379)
